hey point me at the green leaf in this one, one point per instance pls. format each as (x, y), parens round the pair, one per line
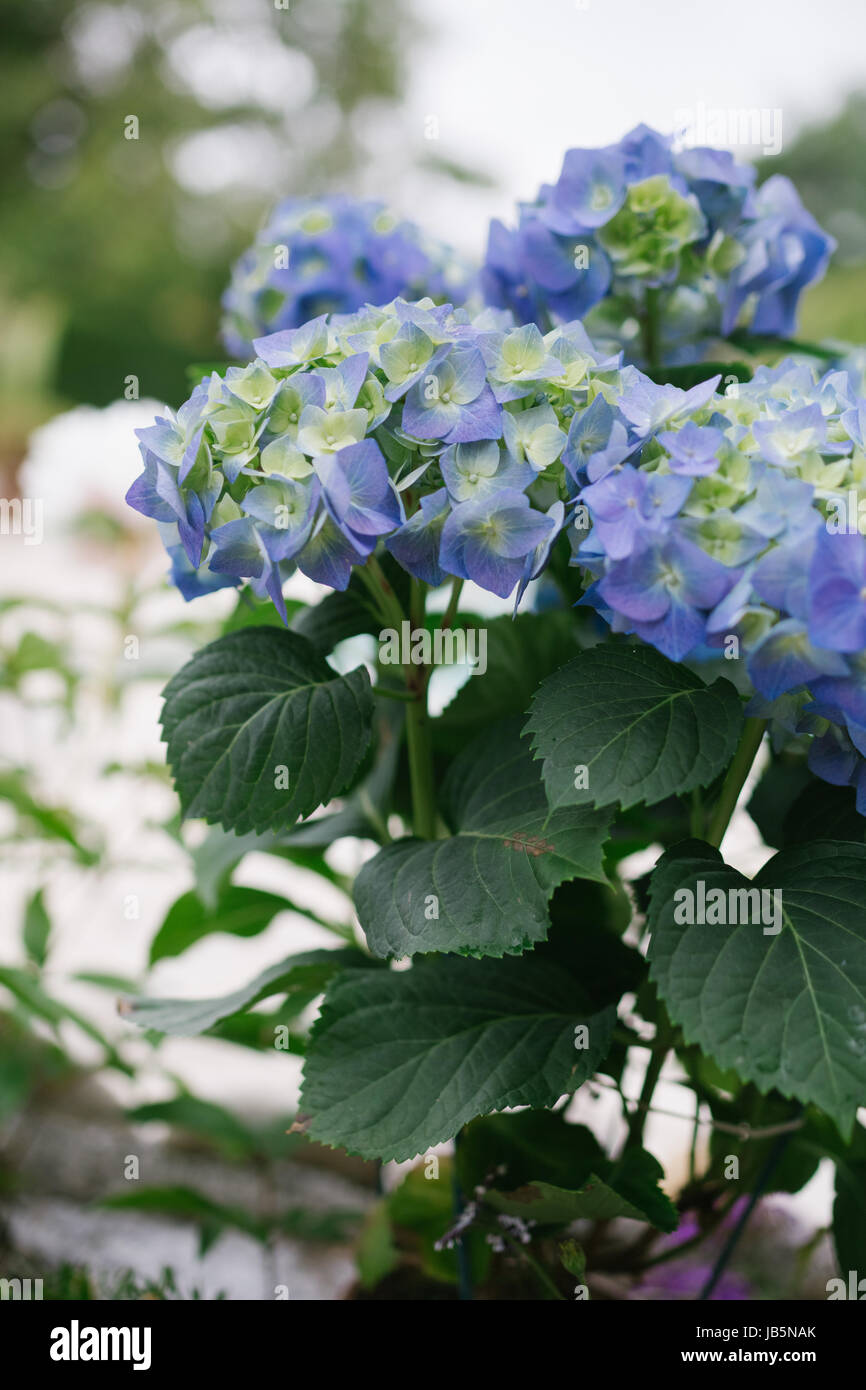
(37, 929)
(376, 1255)
(697, 372)
(250, 611)
(221, 850)
(400, 1060)
(238, 911)
(757, 342)
(587, 920)
(536, 1165)
(849, 1208)
(520, 653)
(115, 984)
(632, 1190)
(48, 822)
(200, 1117)
(29, 992)
(257, 1029)
(822, 812)
(251, 704)
(643, 728)
(778, 788)
(304, 971)
(212, 1218)
(336, 617)
(484, 890)
(573, 1258)
(510, 1149)
(786, 1010)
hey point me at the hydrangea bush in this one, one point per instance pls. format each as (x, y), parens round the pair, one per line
(698, 619)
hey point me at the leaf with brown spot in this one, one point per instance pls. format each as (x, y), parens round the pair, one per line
(484, 891)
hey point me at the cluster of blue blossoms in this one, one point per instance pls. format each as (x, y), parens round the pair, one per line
(332, 255)
(687, 226)
(413, 422)
(735, 523)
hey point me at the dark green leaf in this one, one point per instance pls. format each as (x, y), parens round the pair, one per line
(785, 1010)
(400, 1060)
(49, 822)
(238, 911)
(697, 372)
(376, 1254)
(641, 728)
(250, 611)
(521, 652)
(778, 789)
(546, 1170)
(251, 705)
(573, 1258)
(822, 812)
(220, 851)
(484, 890)
(199, 1117)
(304, 971)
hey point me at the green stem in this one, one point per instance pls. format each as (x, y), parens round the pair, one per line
(404, 696)
(747, 748)
(774, 1159)
(663, 1039)
(650, 333)
(418, 733)
(464, 1271)
(386, 600)
(541, 1274)
(451, 611)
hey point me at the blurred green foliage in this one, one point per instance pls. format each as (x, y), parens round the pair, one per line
(115, 251)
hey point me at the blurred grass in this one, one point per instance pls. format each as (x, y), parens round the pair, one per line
(836, 307)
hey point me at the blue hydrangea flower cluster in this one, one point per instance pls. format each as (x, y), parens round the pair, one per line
(735, 523)
(657, 250)
(333, 255)
(443, 434)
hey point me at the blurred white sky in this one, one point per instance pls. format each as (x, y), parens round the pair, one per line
(513, 84)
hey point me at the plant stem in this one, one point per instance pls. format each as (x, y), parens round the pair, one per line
(386, 600)
(650, 333)
(693, 1147)
(451, 611)
(404, 696)
(663, 1040)
(464, 1272)
(773, 1160)
(419, 741)
(541, 1274)
(747, 748)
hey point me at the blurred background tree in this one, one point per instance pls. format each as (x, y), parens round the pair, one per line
(140, 146)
